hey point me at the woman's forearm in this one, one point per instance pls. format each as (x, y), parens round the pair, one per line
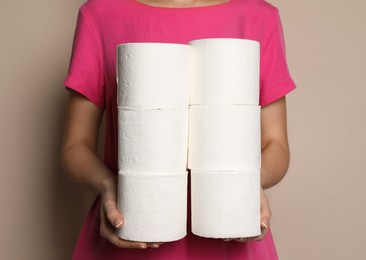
(84, 167)
(79, 149)
(275, 163)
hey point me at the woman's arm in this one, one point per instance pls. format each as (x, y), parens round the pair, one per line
(83, 166)
(275, 157)
(79, 157)
(275, 147)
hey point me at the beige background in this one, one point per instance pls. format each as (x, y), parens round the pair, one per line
(318, 209)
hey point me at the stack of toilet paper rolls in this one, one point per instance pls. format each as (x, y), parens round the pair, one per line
(194, 106)
(224, 138)
(153, 100)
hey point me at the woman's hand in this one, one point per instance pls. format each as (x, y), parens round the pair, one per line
(111, 219)
(265, 220)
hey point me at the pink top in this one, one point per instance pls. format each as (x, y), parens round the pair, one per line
(101, 26)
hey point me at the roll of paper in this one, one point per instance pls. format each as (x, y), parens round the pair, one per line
(224, 137)
(154, 207)
(225, 204)
(153, 75)
(152, 140)
(225, 71)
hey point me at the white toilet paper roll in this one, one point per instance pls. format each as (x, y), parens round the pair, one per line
(225, 204)
(225, 71)
(152, 140)
(154, 207)
(224, 137)
(153, 75)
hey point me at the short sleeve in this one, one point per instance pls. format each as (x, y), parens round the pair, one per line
(275, 78)
(86, 74)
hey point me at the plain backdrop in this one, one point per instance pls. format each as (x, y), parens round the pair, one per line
(318, 208)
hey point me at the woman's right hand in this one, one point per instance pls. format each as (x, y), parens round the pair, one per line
(111, 219)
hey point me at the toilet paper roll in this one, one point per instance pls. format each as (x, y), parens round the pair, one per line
(152, 140)
(153, 75)
(154, 207)
(226, 204)
(224, 137)
(225, 71)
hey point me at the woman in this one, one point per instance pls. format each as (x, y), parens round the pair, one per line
(101, 26)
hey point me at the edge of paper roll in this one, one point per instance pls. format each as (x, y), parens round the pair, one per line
(203, 106)
(226, 39)
(149, 43)
(150, 108)
(244, 171)
(152, 173)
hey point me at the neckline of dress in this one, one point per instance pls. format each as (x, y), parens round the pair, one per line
(181, 8)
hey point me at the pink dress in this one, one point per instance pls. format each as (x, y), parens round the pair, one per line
(101, 26)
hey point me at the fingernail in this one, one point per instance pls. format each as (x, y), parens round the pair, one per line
(142, 246)
(155, 245)
(264, 225)
(226, 239)
(117, 223)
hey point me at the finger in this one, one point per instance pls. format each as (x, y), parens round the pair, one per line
(154, 245)
(264, 229)
(247, 239)
(244, 239)
(125, 243)
(114, 217)
(265, 216)
(241, 240)
(107, 232)
(265, 224)
(134, 244)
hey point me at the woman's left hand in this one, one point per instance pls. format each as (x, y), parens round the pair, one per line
(265, 220)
